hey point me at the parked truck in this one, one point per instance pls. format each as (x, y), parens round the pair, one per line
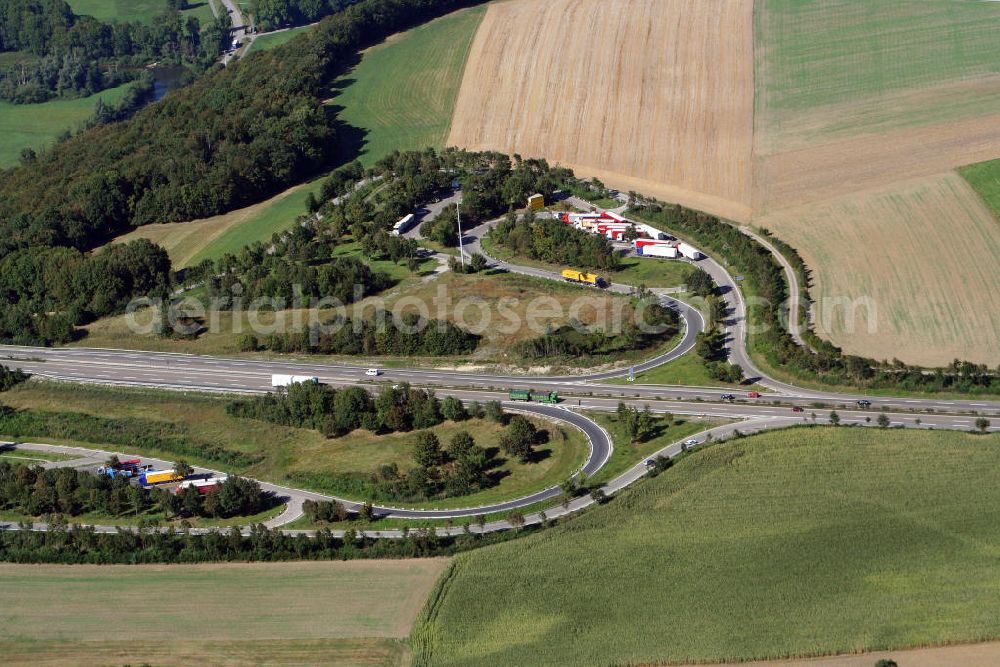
(289, 380)
(127, 469)
(203, 486)
(153, 477)
(689, 251)
(574, 276)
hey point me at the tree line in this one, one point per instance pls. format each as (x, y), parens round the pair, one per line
(35, 492)
(828, 363)
(67, 544)
(77, 56)
(336, 412)
(274, 14)
(376, 337)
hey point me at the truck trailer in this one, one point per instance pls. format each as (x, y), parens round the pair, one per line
(152, 477)
(689, 251)
(289, 380)
(662, 250)
(203, 486)
(574, 276)
(529, 396)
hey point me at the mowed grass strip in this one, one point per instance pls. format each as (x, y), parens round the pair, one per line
(403, 91)
(143, 11)
(181, 651)
(798, 542)
(276, 39)
(232, 602)
(37, 125)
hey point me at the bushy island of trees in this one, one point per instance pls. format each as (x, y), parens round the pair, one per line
(274, 14)
(36, 492)
(828, 364)
(67, 55)
(460, 468)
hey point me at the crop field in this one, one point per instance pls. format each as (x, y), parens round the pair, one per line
(37, 125)
(402, 93)
(925, 253)
(664, 105)
(143, 11)
(296, 454)
(840, 67)
(793, 543)
(350, 612)
(863, 111)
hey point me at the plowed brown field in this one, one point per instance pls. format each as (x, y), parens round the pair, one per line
(651, 95)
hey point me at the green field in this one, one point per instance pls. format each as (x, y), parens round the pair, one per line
(352, 613)
(297, 456)
(37, 125)
(793, 543)
(687, 370)
(824, 53)
(985, 179)
(403, 91)
(275, 39)
(277, 215)
(143, 11)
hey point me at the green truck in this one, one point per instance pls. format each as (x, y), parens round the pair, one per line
(528, 396)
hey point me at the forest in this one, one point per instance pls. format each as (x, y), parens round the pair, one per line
(73, 56)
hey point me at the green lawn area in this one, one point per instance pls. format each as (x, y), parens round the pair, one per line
(793, 543)
(143, 11)
(344, 613)
(687, 370)
(101, 519)
(276, 215)
(985, 179)
(403, 91)
(37, 125)
(32, 457)
(627, 454)
(301, 457)
(270, 41)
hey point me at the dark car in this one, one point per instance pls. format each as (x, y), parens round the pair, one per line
(729, 397)
(864, 404)
(797, 408)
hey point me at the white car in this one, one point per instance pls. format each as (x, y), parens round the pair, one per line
(691, 443)
(373, 372)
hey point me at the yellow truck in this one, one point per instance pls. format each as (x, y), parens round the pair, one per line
(151, 477)
(574, 276)
(536, 202)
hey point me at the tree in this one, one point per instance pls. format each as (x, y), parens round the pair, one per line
(699, 282)
(183, 468)
(516, 519)
(598, 496)
(834, 418)
(427, 450)
(461, 446)
(493, 411)
(453, 410)
(886, 662)
(477, 262)
(883, 421)
(366, 512)
(982, 423)
(519, 438)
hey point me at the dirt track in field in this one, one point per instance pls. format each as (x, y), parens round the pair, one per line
(634, 91)
(966, 655)
(925, 253)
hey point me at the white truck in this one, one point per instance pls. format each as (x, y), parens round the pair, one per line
(689, 251)
(289, 380)
(668, 252)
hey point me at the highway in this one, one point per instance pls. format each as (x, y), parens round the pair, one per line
(586, 391)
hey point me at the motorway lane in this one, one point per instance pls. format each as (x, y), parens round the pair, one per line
(172, 370)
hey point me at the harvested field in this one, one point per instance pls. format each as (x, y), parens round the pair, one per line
(986, 654)
(862, 111)
(652, 95)
(231, 602)
(926, 252)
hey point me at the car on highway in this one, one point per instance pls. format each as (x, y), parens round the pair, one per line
(729, 397)
(691, 442)
(797, 408)
(373, 372)
(753, 394)
(864, 403)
